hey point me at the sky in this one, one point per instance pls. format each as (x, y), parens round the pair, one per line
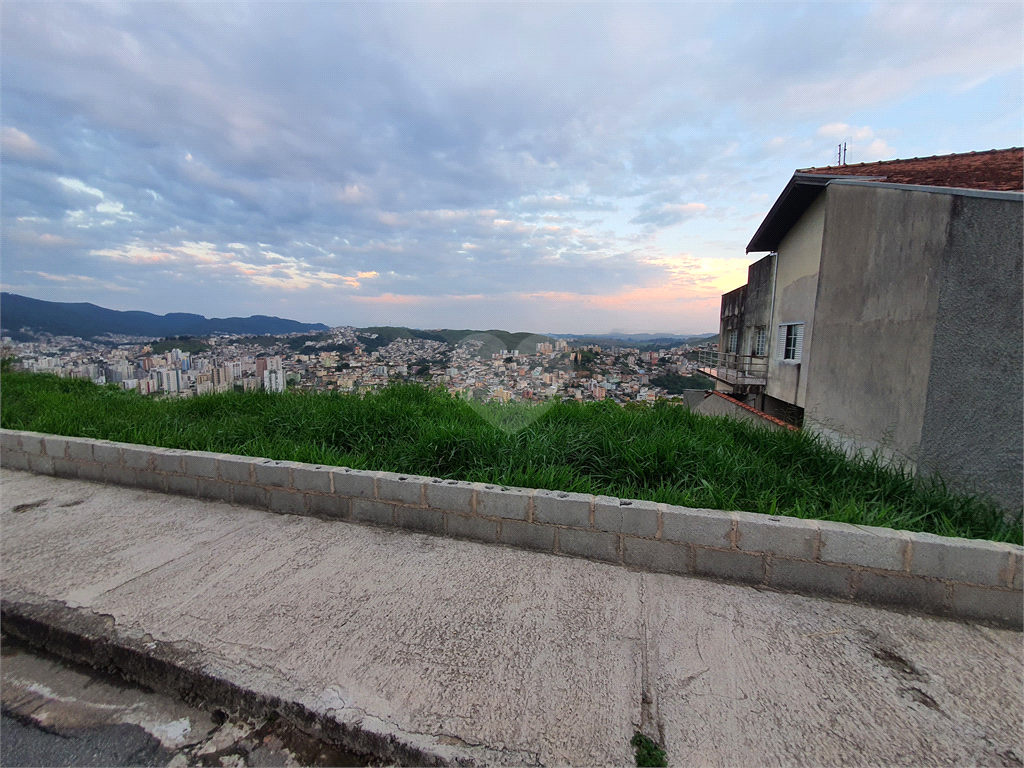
(542, 167)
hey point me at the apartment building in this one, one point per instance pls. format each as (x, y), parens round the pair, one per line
(887, 315)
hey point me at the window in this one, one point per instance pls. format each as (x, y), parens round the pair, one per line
(791, 342)
(730, 345)
(760, 341)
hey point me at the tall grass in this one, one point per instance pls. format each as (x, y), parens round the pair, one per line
(665, 453)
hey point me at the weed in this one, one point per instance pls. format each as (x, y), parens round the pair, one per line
(665, 453)
(647, 752)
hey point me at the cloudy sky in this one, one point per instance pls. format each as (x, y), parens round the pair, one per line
(530, 166)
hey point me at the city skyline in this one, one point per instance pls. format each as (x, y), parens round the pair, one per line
(568, 168)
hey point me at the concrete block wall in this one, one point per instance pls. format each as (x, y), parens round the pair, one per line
(965, 579)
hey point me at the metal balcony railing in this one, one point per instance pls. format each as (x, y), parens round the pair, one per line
(739, 370)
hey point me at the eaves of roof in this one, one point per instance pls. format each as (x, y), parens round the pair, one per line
(801, 191)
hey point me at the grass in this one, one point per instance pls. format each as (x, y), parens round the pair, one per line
(647, 752)
(664, 453)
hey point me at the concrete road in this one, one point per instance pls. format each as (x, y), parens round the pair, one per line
(506, 656)
(60, 714)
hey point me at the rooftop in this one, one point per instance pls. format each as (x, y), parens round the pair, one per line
(997, 170)
(994, 170)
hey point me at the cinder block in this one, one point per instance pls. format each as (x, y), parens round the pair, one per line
(784, 536)
(503, 501)
(114, 475)
(215, 490)
(528, 535)
(236, 469)
(475, 528)
(368, 511)
(56, 447)
(151, 481)
(65, 468)
(137, 458)
(330, 506)
(404, 489)
(285, 502)
(449, 495)
(247, 495)
(41, 465)
(972, 561)
(200, 464)
(14, 460)
(168, 461)
(182, 485)
(353, 483)
(704, 527)
(79, 448)
(31, 443)
(311, 478)
(729, 565)
(862, 545)
(9, 441)
(999, 606)
(425, 520)
(630, 516)
(658, 556)
(106, 453)
(906, 591)
(271, 473)
(598, 545)
(91, 470)
(810, 578)
(562, 508)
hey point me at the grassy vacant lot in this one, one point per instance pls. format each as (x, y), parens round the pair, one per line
(664, 453)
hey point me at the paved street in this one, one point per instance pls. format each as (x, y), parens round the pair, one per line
(57, 713)
(507, 656)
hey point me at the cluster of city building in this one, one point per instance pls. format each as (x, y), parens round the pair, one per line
(341, 361)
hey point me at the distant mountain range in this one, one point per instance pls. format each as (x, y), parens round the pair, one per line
(88, 321)
(640, 339)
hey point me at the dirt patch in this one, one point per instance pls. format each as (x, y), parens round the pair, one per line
(899, 664)
(30, 505)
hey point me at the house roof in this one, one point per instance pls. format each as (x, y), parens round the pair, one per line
(994, 170)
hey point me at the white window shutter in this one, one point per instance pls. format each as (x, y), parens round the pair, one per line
(799, 342)
(782, 342)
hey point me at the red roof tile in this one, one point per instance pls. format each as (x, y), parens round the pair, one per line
(996, 169)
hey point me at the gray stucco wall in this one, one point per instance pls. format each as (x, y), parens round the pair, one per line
(760, 287)
(878, 290)
(972, 433)
(733, 306)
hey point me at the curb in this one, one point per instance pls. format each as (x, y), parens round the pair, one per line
(965, 579)
(184, 673)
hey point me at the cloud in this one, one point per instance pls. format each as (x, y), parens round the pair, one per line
(79, 279)
(473, 150)
(79, 186)
(669, 214)
(351, 194)
(862, 144)
(280, 272)
(19, 145)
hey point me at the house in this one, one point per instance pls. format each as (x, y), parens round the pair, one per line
(887, 315)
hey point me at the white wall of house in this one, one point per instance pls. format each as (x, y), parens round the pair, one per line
(796, 286)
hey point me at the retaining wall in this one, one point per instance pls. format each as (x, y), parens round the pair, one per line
(965, 579)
